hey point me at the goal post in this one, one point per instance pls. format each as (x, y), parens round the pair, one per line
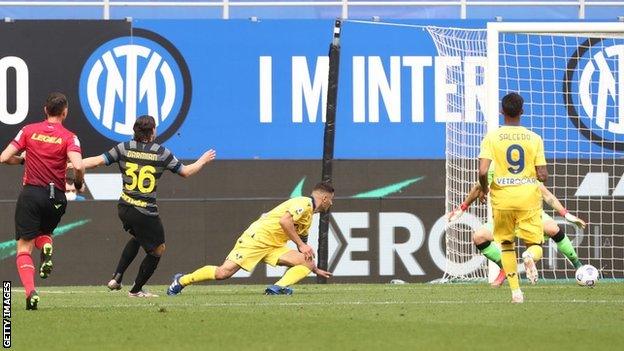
(494, 29)
(463, 137)
(572, 78)
(328, 144)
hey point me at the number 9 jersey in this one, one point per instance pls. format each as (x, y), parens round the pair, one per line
(514, 151)
(141, 165)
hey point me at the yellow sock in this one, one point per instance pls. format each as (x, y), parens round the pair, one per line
(293, 275)
(510, 265)
(200, 275)
(535, 251)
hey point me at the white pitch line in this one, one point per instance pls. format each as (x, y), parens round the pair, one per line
(154, 303)
(65, 292)
(219, 290)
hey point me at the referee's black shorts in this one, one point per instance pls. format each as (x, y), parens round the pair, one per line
(36, 213)
(148, 230)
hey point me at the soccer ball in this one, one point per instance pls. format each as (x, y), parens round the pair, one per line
(587, 275)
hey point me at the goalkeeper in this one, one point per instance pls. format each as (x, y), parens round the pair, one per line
(483, 236)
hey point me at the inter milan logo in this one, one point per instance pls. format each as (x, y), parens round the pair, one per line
(132, 76)
(594, 92)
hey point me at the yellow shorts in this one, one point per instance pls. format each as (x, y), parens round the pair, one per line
(527, 224)
(248, 252)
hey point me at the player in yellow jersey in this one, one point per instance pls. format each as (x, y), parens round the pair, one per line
(482, 237)
(265, 240)
(519, 170)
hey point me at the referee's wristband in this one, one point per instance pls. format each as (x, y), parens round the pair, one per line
(563, 212)
(463, 206)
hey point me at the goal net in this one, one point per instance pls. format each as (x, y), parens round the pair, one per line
(571, 76)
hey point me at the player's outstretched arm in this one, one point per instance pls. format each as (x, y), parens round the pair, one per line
(288, 224)
(322, 273)
(553, 202)
(9, 156)
(193, 168)
(93, 162)
(484, 167)
(470, 198)
(76, 160)
(542, 173)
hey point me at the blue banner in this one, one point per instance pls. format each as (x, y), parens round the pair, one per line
(257, 89)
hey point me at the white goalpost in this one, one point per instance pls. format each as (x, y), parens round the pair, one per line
(572, 78)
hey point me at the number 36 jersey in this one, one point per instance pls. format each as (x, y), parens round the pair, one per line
(514, 151)
(141, 166)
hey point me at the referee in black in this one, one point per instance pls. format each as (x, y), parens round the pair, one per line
(142, 162)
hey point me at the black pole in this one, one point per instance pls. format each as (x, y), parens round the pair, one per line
(328, 143)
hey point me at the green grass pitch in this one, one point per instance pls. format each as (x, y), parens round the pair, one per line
(325, 317)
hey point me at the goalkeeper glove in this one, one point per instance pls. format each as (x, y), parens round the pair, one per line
(456, 213)
(573, 219)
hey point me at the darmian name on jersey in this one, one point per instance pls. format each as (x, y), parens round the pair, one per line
(142, 155)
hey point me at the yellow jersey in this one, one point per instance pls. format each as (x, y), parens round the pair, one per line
(267, 229)
(514, 151)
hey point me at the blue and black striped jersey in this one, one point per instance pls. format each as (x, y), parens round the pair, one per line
(141, 165)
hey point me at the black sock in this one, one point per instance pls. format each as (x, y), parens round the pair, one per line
(484, 245)
(560, 235)
(127, 256)
(148, 266)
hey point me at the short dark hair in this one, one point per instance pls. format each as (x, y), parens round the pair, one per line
(55, 104)
(324, 186)
(512, 104)
(144, 128)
